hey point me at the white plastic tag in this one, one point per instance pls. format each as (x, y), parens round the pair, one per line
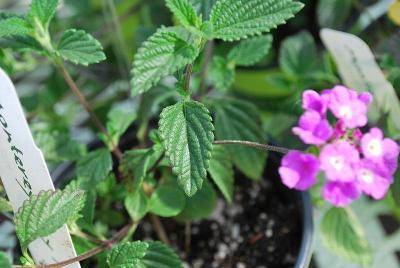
(23, 172)
(359, 70)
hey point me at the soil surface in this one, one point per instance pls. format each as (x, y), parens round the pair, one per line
(261, 229)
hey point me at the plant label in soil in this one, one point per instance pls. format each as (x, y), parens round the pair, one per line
(358, 69)
(23, 172)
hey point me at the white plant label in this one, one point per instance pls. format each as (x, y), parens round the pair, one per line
(23, 172)
(359, 70)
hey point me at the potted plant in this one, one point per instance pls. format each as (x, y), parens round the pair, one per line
(158, 180)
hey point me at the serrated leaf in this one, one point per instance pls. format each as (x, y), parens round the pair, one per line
(343, 234)
(222, 73)
(237, 19)
(201, 205)
(147, 254)
(239, 120)
(44, 10)
(45, 213)
(5, 206)
(14, 26)
(4, 260)
(164, 53)
(187, 132)
(95, 166)
(251, 51)
(167, 201)
(221, 171)
(80, 47)
(298, 54)
(137, 204)
(185, 12)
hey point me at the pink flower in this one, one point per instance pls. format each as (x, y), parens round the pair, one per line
(299, 170)
(340, 194)
(380, 150)
(349, 106)
(337, 161)
(372, 179)
(313, 128)
(312, 101)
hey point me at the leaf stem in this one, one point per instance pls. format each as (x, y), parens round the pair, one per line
(257, 145)
(204, 69)
(159, 228)
(188, 75)
(104, 246)
(75, 89)
(188, 238)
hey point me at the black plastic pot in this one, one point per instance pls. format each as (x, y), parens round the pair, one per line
(65, 171)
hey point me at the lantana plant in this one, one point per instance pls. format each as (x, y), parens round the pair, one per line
(352, 162)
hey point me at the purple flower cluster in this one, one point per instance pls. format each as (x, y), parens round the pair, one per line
(352, 162)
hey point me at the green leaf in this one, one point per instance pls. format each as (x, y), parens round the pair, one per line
(222, 73)
(137, 163)
(80, 47)
(45, 213)
(95, 166)
(167, 201)
(328, 15)
(185, 12)
(44, 10)
(164, 53)
(22, 43)
(221, 171)
(14, 26)
(187, 133)
(147, 254)
(343, 234)
(137, 204)
(239, 120)
(201, 205)
(4, 260)
(298, 54)
(251, 51)
(118, 122)
(237, 19)
(5, 206)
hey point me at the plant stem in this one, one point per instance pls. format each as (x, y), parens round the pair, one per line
(204, 69)
(71, 83)
(257, 145)
(159, 228)
(106, 245)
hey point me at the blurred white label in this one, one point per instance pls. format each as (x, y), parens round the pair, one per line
(23, 172)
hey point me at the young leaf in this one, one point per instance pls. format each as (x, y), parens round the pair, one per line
(14, 26)
(222, 73)
(221, 171)
(80, 47)
(4, 260)
(118, 122)
(164, 53)
(298, 54)
(147, 254)
(167, 201)
(5, 206)
(251, 51)
(185, 12)
(239, 120)
(137, 204)
(43, 10)
(237, 19)
(95, 166)
(343, 234)
(201, 205)
(187, 132)
(45, 213)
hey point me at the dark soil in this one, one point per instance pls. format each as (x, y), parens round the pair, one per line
(261, 229)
